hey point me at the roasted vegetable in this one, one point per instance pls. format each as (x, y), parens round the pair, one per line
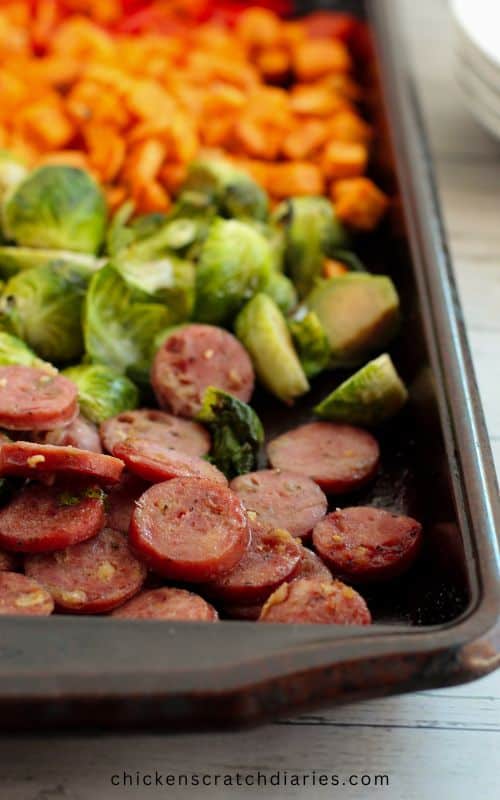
(370, 396)
(17, 259)
(15, 351)
(235, 263)
(102, 391)
(43, 307)
(312, 232)
(56, 207)
(124, 232)
(282, 291)
(237, 432)
(262, 328)
(168, 280)
(311, 343)
(234, 192)
(118, 330)
(359, 312)
(12, 172)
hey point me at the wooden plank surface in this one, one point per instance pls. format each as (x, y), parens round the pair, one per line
(441, 744)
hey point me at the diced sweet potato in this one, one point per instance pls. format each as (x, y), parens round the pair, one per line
(359, 203)
(344, 160)
(314, 58)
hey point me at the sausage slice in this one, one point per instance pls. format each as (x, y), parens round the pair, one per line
(42, 518)
(313, 601)
(364, 543)
(154, 463)
(121, 500)
(339, 458)
(31, 460)
(23, 596)
(162, 429)
(91, 577)
(165, 603)
(80, 433)
(35, 399)
(195, 357)
(190, 529)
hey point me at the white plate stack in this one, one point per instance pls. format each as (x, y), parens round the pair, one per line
(477, 24)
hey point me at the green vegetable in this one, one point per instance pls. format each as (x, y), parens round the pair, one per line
(360, 313)
(237, 432)
(103, 392)
(17, 259)
(12, 172)
(43, 307)
(233, 192)
(311, 343)
(370, 396)
(121, 234)
(282, 291)
(235, 263)
(56, 207)
(118, 330)
(14, 351)
(312, 233)
(262, 329)
(349, 259)
(169, 280)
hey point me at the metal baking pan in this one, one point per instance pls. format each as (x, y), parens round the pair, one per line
(431, 629)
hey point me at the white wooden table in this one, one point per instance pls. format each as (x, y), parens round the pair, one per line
(442, 744)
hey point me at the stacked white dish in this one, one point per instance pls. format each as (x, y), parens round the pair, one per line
(477, 24)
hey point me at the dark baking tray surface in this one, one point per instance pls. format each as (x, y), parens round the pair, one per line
(432, 628)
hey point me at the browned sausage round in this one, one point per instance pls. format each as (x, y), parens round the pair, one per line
(24, 596)
(42, 518)
(197, 356)
(281, 499)
(35, 399)
(91, 577)
(272, 558)
(190, 529)
(80, 433)
(121, 500)
(313, 601)
(162, 429)
(154, 463)
(364, 543)
(31, 460)
(170, 604)
(339, 458)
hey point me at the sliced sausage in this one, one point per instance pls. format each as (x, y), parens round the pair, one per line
(121, 500)
(244, 613)
(162, 429)
(364, 543)
(23, 596)
(273, 556)
(8, 561)
(281, 499)
(31, 460)
(92, 577)
(311, 600)
(197, 356)
(155, 463)
(43, 518)
(165, 603)
(311, 566)
(190, 529)
(34, 399)
(339, 458)
(80, 433)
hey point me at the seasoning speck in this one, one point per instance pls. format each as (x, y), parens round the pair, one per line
(33, 461)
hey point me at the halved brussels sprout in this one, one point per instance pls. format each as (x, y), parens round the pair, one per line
(235, 264)
(15, 351)
(102, 392)
(119, 331)
(312, 232)
(12, 172)
(311, 343)
(237, 432)
(57, 207)
(17, 259)
(43, 307)
(122, 233)
(233, 191)
(282, 291)
(168, 280)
